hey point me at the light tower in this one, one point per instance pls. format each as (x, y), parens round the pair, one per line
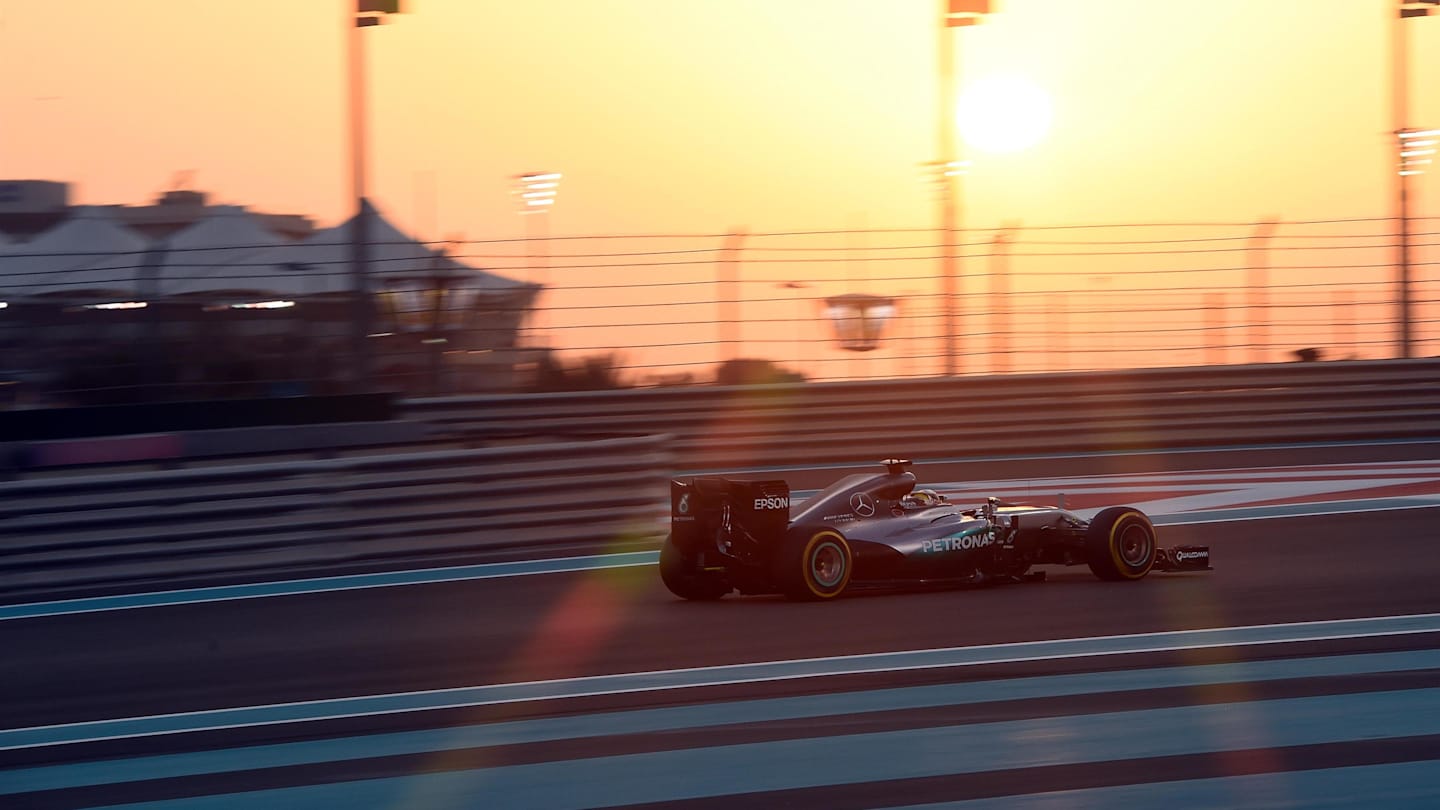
(535, 196)
(367, 13)
(953, 14)
(1413, 148)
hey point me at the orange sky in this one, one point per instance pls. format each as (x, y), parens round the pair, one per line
(676, 115)
(700, 115)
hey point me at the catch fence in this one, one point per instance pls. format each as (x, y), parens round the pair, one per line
(644, 310)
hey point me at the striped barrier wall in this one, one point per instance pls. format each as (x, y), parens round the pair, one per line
(249, 520)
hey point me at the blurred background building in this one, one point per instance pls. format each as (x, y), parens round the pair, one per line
(184, 299)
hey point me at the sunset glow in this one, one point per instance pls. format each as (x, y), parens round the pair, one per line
(1004, 114)
(713, 117)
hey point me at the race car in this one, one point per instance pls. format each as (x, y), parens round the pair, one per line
(879, 530)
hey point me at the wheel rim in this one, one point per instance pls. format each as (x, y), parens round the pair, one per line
(827, 565)
(1135, 545)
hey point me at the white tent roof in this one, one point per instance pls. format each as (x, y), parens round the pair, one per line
(228, 253)
(398, 260)
(223, 251)
(93, 258)
(90, 256)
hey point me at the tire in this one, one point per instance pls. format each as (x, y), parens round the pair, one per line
(1120, 544)
(816, 566)
(685, 579)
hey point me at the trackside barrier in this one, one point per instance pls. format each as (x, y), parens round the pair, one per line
(566, 473)
(173, 417)
(744, 427)
(761, 426)
(329, 516)
(176, 449)
(971, 417)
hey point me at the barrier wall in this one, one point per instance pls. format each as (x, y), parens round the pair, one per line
(180, 449)
(579, 473)
(730, 428)
(329, 516)
(170, 417)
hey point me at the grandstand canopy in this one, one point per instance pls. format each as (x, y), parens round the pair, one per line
(227, 255)
(88, 258)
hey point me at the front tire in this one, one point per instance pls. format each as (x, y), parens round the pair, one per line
(1120, 544)
(813, 567)
(686, 579)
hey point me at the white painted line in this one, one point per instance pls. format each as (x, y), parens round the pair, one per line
(699, 715)
(725, 675)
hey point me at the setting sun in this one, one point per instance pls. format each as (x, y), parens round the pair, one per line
(1004, 114)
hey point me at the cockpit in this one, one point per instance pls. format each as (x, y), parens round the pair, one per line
(923, 499)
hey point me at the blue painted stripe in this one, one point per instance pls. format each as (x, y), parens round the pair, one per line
(424, 576)
(857, 758)
(1394, 786)
(134, 769)
(713, 676)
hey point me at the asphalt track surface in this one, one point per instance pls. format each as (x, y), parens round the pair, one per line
(164, 660)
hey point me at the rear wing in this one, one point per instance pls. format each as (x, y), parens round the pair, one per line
(703, 508)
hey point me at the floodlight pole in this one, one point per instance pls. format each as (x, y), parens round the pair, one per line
(953, 14)
(1400, 85)
(535, 196)
(949, 210)
(1258, 289)
(727, 293)
(797, 286)
(1000, 303)
(364, 14)
(1400, 70)
(361, 316)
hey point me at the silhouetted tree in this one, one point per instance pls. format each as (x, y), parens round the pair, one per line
(751, 371)
(597, 372)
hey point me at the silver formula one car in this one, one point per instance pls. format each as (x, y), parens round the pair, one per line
(879, 530)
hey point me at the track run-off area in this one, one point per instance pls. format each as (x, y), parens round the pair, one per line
(1304, 671)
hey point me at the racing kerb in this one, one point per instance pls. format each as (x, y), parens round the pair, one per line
(328, 516)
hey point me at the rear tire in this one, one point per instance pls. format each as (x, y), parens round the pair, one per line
(1120, 544)
(813, 567)
(683, 576)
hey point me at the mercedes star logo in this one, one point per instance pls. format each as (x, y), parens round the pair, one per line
(862, 504)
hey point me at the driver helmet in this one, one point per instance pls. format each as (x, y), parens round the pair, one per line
(926, 497)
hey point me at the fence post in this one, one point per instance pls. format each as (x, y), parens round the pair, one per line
(1215, 328)
(1000, 299)
(727, 294)
(1259, 289)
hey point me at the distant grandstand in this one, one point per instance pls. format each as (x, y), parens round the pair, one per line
(182, 300)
